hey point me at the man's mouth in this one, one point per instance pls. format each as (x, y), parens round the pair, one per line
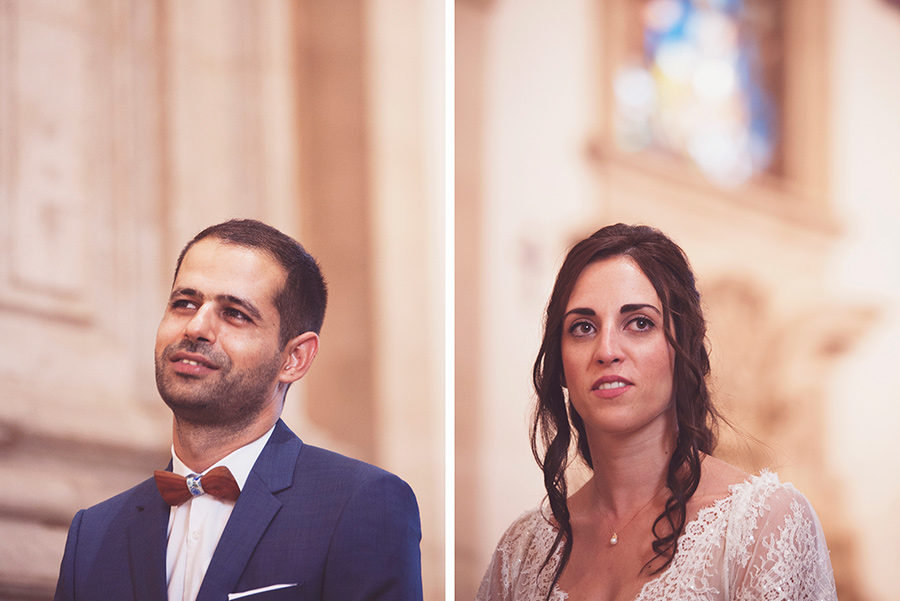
(192, 359)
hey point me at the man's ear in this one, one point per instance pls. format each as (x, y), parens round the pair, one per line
(300, 354)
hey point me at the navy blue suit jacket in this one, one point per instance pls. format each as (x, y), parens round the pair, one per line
(339, 528)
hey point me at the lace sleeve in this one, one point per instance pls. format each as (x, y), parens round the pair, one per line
(492, 586)
(784, 557)
(514, 573)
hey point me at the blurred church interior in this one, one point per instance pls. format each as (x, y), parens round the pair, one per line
(762, 136)
(127, 127)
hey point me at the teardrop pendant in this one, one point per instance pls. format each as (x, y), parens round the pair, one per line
(614, 539)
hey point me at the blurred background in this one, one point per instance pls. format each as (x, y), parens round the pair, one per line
(127, 126)
(762, 135)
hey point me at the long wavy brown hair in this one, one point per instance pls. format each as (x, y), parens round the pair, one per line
(667, 268)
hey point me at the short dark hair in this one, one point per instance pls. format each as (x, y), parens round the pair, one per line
(556, 423)
(302, 299)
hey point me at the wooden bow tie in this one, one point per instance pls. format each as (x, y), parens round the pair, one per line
(176, 489)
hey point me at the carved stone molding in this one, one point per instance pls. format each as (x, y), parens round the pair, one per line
(771, 372)
(53, 155)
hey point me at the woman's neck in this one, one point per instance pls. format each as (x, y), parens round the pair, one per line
(627, 471)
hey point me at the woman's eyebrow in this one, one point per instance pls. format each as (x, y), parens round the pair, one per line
(637, 307)
(625, 309)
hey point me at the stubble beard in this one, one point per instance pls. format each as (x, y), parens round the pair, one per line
(226, 399)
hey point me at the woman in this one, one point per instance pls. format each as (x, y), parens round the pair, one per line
(621, 374)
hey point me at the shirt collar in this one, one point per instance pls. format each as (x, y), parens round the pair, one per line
(239, 462)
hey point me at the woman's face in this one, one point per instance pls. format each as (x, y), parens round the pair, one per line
(617, 362)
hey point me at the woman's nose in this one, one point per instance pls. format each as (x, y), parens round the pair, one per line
(608, 349)
(201, 326)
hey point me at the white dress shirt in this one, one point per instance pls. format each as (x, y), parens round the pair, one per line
(196, 525)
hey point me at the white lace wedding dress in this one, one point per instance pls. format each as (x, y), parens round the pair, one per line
(761, 542)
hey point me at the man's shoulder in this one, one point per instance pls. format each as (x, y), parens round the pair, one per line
(313, 481)
(342, 470)
(135, 495)
(315, 462)
(365, 500)
(116, 511)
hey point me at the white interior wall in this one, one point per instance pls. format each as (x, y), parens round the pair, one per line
(538, 191)
(864, 415)
(404, 62)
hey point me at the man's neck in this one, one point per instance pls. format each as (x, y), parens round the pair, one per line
(200, 446)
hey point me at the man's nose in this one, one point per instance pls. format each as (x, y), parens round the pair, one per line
(201, 326)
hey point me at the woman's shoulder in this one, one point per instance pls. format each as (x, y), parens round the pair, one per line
(774, 540)
(722, 480)
(762, 507)
(533, 528)
(747, 504)
(717, 480)
(519, 558)
(764, 495)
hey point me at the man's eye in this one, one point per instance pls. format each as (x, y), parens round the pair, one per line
(236, 314)
(183, 303)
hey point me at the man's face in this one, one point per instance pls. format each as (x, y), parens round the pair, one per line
(217, 351)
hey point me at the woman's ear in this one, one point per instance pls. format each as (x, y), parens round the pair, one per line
(301, 351)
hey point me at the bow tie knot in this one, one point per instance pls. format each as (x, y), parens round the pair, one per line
(217, 482)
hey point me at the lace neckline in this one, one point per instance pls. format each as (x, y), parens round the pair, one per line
(697, 527)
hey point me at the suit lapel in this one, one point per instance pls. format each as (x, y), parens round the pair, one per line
(253, 512)
(147, 543)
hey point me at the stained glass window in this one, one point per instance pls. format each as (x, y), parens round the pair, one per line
(702, 80)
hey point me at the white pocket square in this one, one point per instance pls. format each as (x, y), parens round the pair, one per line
(256, 591)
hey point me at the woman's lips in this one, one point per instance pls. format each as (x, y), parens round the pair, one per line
(609, 387)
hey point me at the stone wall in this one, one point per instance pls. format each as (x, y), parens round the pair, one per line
(128, 127)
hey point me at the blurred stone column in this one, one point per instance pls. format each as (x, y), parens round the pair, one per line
(126, 128)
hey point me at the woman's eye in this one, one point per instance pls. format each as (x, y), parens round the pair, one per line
(581, 328)
(641, 324)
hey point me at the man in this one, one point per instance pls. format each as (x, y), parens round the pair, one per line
(241, 325)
